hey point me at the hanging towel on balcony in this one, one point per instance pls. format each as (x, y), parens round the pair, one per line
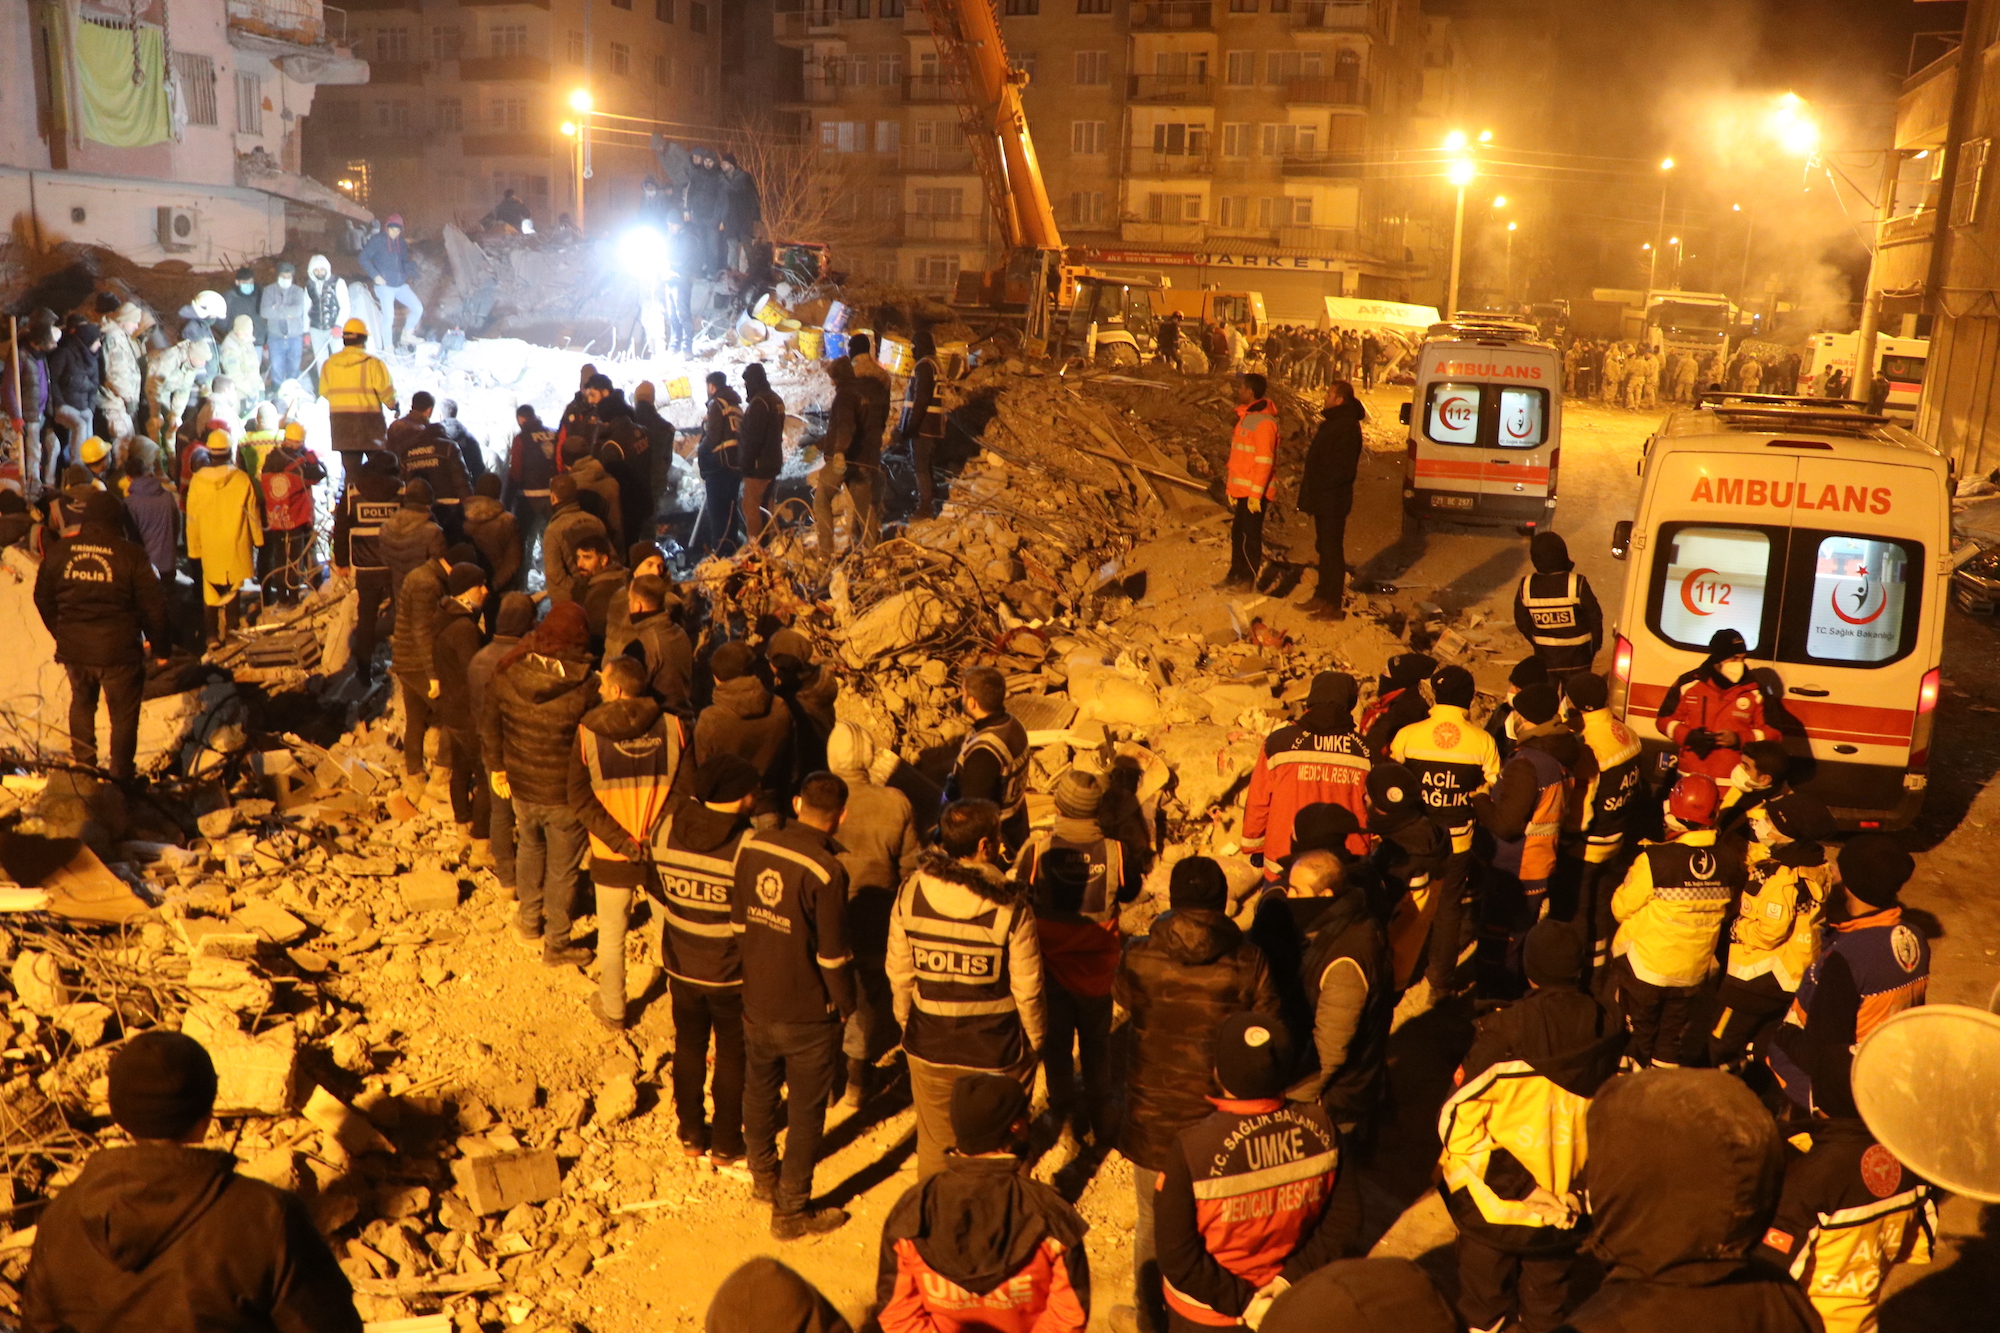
(117, 109)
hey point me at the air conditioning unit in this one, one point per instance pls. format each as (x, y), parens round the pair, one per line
(177, 226)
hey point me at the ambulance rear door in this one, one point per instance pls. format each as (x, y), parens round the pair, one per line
(1486, 430)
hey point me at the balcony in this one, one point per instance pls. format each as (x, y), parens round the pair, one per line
(513, 143)
(931, 159)
(381, 6)
(1918, 226)
(503, 69)
(1170, 89)
(1315, 90)
(397, 71)
(301, 22)
(927, 88)
(1310, 16)
(815, 92)
(813, 22)
(1320, 239)
(384, 145)
(1149, 165)
(500, 4)
(962, 227)
(1166, 233)
(1923, 112)
(1173, 16)
(1332, 165)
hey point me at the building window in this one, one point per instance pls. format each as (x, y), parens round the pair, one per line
(1020, 8)
(889, 9)
(1179, 138)
(1287, 140)
(392, 45)
(445, 40)
(508, 114)
(884, 266)
(844, 136)
(888, 203)
(1086, 207)
(1162, 207)
(1093, 68)
(1237, 140)
(888, 136)
(1093, 6)
(249, 104)
(1240, 68)
(1969, 182)
(889, 71)
(392, 117)
(621, 58)
(197, 79)
(575, 49)
(663, 71)
(1024, 62)
(697, 17)
(1086, 138)
(1242, 6)
(940, 202)
(1232, 212)
(701, 79)
(937, 271)
(1290, 211)
(508, 39)
(663, 10)
(1283, 66)
(448, 115)
(621, 4)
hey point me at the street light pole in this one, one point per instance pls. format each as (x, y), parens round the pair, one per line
(1659, 232)
(1457, 253)
(1871, 295)
(1510, 265)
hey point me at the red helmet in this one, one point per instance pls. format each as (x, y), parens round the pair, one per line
(1694, 800)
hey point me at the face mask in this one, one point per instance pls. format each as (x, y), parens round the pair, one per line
(246, 287)
(1513, 726)
(1732, 670)
(284, 279)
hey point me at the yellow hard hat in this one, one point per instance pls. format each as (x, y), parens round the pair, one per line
(354, 326)
(93, 451)
(218, 442)
(295, 432)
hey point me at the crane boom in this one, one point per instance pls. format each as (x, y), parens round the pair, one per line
(973, 55)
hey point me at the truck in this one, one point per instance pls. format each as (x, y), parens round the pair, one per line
(1692, 323)
(1902, 362)
(1243, 309)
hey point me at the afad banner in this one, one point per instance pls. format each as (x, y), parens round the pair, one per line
(1352, 312)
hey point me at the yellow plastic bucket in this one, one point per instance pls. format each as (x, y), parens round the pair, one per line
(810, 344)
(896, 355)
(770, 312)
(679, 390)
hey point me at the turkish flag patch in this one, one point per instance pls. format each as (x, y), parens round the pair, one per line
(1778, 1240)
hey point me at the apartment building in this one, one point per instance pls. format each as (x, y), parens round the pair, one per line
(469, 98)
(166, 138)
(1224, 143)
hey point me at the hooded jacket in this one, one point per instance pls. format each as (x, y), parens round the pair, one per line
(1685, 1169)
(667, 653)
(387, 257)
(420, 614)
(763, 435)
(568, 526)
(326, 295)
(96, 592)
(1326, 489)
(982, 1248)
(621, 773)
(494, 531)
(695, 850)
(745, 720)
(1316, 759)
(157, 515)
(456, 642)
(222, 526)
(1524, 811)
(1178, 984)
(172, 1240)
(719, 453)
(764, 1296)
(409, 539)
(592, 479)
(1514, 1135)
(965, 966)
(356, 387)
(528, 725)
(76, 371)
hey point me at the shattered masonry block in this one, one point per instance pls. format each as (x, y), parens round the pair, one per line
(254, 1075)
(271, 921)
(218, 939)
(38, 982)
(495, 1182)
(428, 890)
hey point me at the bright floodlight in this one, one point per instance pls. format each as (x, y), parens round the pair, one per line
(1666, 164)
(1486, 136)
(1673, 240)
(1512, 225)
(569, 129)
(580, 100)
(1461, 172)
(1793, 128)
(643, 252)
(1645, 245)
(1499, 201)
(1455, 141)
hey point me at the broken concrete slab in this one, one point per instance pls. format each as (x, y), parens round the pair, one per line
(254, 1075)
(84, 1021)
(428, 890)
(498, 1181)
(347, 1127)
(79, 886)
(39, 984)
(209, 938)
(893, 624)
(271, 921)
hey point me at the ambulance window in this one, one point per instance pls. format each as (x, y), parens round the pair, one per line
(1903, 369)
(1850, 599)
(1524, 418)
(1452, 410)
(1708, 577)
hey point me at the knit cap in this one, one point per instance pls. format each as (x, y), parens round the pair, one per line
(161, 1085)
(464, 578)
(984, 1110)
(1198, 882)
(1874, 868)
(1078, 794)
(1253, 1056)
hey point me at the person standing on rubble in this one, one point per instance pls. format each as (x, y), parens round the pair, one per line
(371, 494)
(223, 533)
(1252, 480)
(540, 692)
(992, 763)
(410, 537)
(1317, 760)
(789, 912)
(386, 259)
(569, 525)
(844, 426)
(515, 618)
(706, 204)
(763, 451)
(531, 466)
(425, 453)
(98, 593)
(412, 658)
(356, 387)
(716, 457)
(924, 419)
(742, 212)
(1326, 491)
(165, 1234)
(745, 719)
(457, 642)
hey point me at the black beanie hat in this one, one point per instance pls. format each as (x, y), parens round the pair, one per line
(1333, 687)
(417, 494)
(725, 777)
(1587, 691)
(1363, 1296)
(488, 486)
(1802, 817)
(1198, 882)
(1454, 687)
(101, 510)
(1874, 868)
(731, 660)
(464, 577)
(517, 615)
(162, 1085)
(1253, 1057)
(1724, 644)
(984, 1111)
(1553, 954)
(1537, 704)
(1407, 669)
(1323, 827)
(1528, 671)
(1392, 789)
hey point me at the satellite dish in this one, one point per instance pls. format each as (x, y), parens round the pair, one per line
(1927, 1083)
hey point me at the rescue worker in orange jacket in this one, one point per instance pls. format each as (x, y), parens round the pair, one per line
(1251, 480)
(1317, 759)
(982, 1247)
(1255, 1197)
(1713, 711)
(1524, 813)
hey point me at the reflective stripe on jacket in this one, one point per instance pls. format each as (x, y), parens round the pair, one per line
(1555, 616)
(961, 960)
(1253, 452)
(1612, 786)
(1670, 910)
(1452, 759)
(1776, 931)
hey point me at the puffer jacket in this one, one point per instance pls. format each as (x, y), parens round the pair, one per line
(667, 653)
(1178, 984)
(568, 526)
(493, 530)
(76, 370)
(409, 538)
(456, 642)
(158, 517)
(746, 720)
(591, 477)
(528, 724)
(419, 617)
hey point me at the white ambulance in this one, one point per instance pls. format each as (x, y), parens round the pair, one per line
(1822, 533)
(1485, 421)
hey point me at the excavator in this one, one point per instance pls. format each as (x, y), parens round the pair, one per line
(1060, 307)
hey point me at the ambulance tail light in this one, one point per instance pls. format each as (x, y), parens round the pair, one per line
(1920, 734)
(1621, 675)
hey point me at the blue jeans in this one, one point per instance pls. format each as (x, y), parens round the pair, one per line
(797, 1058)
(389, 298)
(285, 356)
(548, 852)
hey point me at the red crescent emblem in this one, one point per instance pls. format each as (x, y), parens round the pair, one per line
(1687, 591)
(1833, 600)
(1880, 1171)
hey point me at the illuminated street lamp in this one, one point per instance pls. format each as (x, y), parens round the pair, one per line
(1793, 127)
(1660, 229)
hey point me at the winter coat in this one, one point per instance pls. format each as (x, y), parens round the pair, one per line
(719, 452)
(742, 207)
(764, 1296)
(965, 966)
(326, 296)
(1326, 489)
(479, 679)
(370, 498)
(96, 592)
(1670, 910)
(424, 451)
(284, 311)
(1316, 760)
(75, 371)
(529, 722)
(172, 1240)
(33, 403)
(124, 366)
(745, 720)
(1685, 1168)
(386, 258)
(1178, 984)
(222, 527)
(1777, 925)
(456, 641)
(982, 1248)
(763, 435)
(705, 202)
(157, 515)
(470, 452)
(593, 481)
(240, 360)
(1350, 993)
(1253, 452)
(356, 387)
(568, 525)
(409, 538)
(1703, 701)
(1870, 969)
(1525, 809)
(878, 838)
(494, 531)
(667, 653)
(236, 302)
(419, 616)
(622, 772)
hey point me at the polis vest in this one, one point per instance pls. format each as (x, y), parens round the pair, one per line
(962, 1011)
(699, 943)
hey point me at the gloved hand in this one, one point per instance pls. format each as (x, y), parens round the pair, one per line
(1701, 741)
(1728, 740)
(500, 786)
(1257, 859)
(1256, 504)
(432, 692)
(1260, 1304)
